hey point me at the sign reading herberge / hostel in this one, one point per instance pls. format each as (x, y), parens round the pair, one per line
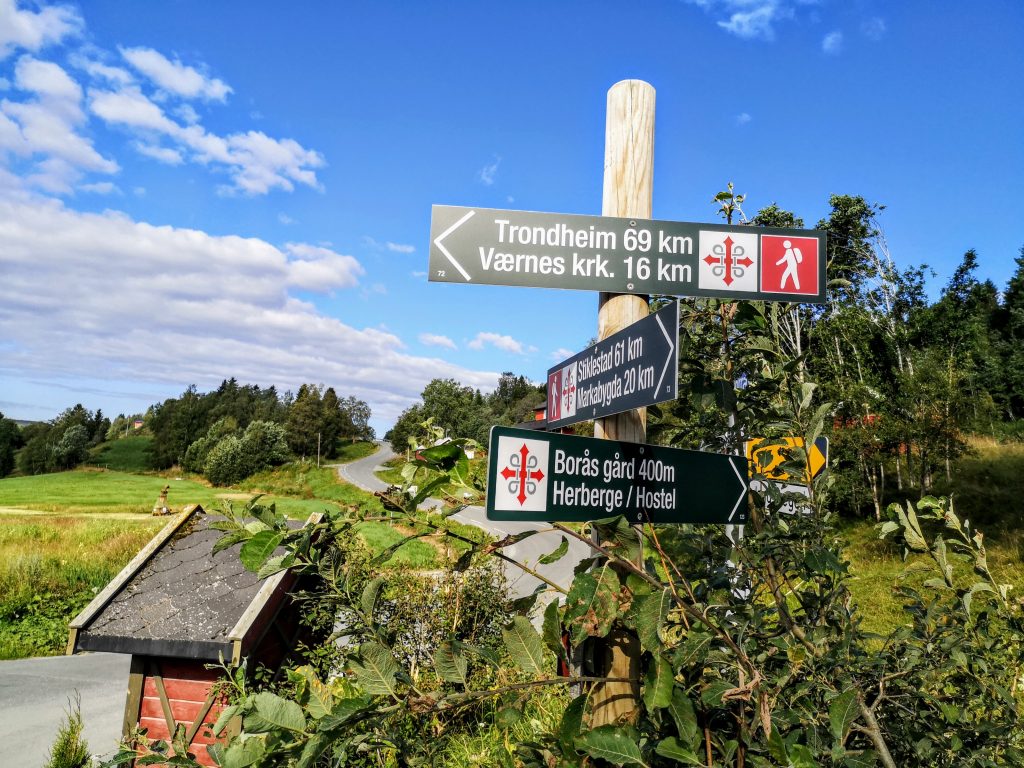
(633, 368)
(617, 255)
(554, 477)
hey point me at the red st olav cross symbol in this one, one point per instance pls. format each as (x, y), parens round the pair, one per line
(724, 260)
(520, 474)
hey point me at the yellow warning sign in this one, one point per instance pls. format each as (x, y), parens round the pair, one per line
(767, 460)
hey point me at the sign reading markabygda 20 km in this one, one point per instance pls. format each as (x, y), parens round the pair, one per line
(603, 253)
(633, 368)
(549, 476)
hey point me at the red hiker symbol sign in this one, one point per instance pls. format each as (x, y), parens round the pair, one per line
(523, 483)
(789, 264)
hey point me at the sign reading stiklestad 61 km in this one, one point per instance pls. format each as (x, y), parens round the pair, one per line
(616, 255)
(552, 477)
(633, 368)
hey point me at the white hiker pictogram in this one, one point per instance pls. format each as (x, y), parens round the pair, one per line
(522, 474)
(790, 258)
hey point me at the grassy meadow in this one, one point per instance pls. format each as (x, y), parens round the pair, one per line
(987, 489)
(63, 536)
(50, 568)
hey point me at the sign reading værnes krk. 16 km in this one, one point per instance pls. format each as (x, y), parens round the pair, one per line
(616, 255)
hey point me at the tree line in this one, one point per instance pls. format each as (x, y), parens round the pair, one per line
(227, 434)
(465, 412)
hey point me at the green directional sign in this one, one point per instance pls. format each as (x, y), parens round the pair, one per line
(552, 477)
(604, 253)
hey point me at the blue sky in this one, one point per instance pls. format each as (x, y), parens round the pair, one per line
(195, 190)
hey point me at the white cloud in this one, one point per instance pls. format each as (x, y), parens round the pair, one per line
(488, 173)
(400, 247)
(743, 118)
(832, 43)
(504, 343)
(256, 162)
(163, 154)
(320, 269)
(104, 296)
(47, 125)
(175, 77)
(434, 340)
(100, 71)
(561, 354)
(100, 188)
(749, 19)
(285, 219)
(33, 30)
(874, 28)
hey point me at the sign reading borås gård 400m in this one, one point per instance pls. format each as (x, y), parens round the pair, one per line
(549, 476)
(604, 253)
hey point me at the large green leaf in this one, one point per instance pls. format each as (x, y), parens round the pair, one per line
(314, 748)
(658, 684)
(257, 550)
(684, 715)
(376, 670)
(242, 754)
(557, 554)
(693, 650)
(673, 750)
(343, 711)
(450, 662)
(842, 712)
(572, 723)
(273, 713)
(224, 718)
(649, 614)
(591, 605)
(231, 538)
(551, 630)
(524, 645)
(368, 600)
(611, 743)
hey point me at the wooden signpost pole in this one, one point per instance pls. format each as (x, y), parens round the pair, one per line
(628, 193)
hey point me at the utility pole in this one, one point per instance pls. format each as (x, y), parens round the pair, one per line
(318, 450)
(628, 193)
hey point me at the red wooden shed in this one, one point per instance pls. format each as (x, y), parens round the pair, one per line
(177, 608)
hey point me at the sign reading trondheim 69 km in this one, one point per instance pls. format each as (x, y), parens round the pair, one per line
(633, 368)
(603, 253)
(553, 477)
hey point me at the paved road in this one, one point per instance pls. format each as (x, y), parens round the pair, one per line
(34, 695)
(528, 551)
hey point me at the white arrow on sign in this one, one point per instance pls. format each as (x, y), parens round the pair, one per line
(669, 357)
(743, 489)
(443, 235)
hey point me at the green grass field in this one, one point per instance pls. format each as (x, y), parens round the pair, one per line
(63, 536)
(129, 454)
(50, 568)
